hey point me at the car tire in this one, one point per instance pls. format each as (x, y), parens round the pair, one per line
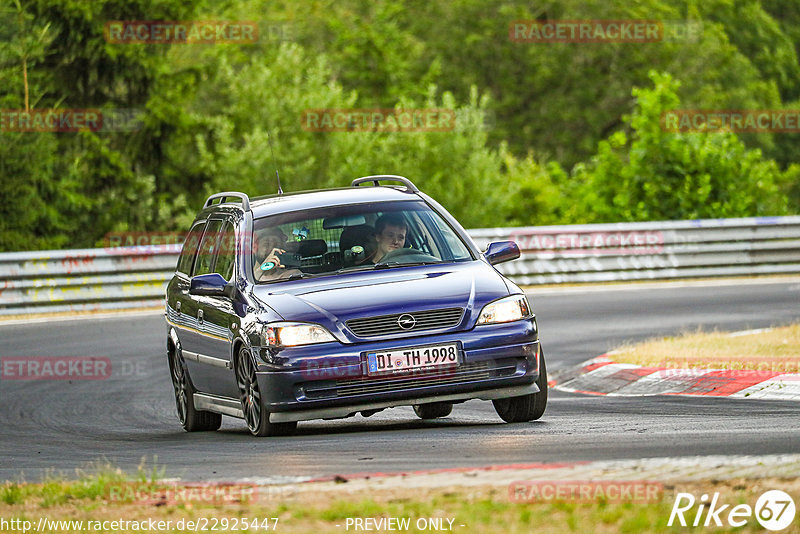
(433, 410)
(256, 417)
(192, 419)
(528, 407)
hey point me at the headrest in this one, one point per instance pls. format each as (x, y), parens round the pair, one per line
(355, 235)
(312, 247)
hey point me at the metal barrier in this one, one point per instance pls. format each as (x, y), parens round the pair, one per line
(650, 250)
(135, 277)
(88, 279)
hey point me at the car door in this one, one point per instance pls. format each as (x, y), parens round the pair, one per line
(196, 344)
(220, 320)
(179, 305)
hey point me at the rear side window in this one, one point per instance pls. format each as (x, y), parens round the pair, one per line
(189, 249)
(208, 249)
(226, 252)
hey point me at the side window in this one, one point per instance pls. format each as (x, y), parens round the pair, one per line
(208, 247)
(186, 259)
(226, 251)
(458, 250)
(424, 241)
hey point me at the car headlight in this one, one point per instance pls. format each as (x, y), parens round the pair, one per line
(505, 310)
(294, 334)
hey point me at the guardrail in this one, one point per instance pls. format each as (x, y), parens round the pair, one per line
(134, 277)
(88, 279)
(650, 250)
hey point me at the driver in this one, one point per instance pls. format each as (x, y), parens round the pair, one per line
(390, 233)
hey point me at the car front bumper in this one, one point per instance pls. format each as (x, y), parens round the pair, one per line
(330, 381)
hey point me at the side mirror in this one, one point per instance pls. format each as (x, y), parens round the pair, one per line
(501, 251)
(212, 284)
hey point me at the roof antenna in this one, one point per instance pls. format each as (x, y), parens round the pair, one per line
(274, 162)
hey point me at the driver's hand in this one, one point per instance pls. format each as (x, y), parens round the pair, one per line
(273, 257)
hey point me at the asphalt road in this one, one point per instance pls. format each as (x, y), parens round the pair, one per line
(129, 417)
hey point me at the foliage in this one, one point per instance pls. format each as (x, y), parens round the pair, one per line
(547, 133)
(663, 176)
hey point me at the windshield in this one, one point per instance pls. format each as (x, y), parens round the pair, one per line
(338, 239)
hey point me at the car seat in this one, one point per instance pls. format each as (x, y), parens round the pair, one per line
(362, 236)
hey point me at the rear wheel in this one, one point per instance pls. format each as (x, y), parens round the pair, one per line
(433, 410)
(192, 420)
(255, 415)
(528, 407)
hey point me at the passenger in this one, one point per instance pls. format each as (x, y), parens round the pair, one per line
(268, 246)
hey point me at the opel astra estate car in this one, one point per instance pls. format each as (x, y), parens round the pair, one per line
(332, 303)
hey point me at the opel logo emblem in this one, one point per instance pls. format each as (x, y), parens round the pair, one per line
(406, 321)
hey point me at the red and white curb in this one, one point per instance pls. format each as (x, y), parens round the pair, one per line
(603, 376)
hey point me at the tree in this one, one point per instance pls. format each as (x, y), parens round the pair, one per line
(233, 138)
(663, 176)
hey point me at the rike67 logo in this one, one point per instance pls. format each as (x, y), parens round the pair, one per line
(774, 510)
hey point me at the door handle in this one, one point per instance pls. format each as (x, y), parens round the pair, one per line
(200, 316)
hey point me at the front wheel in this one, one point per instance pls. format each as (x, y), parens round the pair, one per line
(528, 407)
(255, 415)
(192, 419)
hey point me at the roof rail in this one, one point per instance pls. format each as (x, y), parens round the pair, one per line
(391, 177)
(234, 194)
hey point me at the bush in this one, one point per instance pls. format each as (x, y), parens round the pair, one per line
(656, 175)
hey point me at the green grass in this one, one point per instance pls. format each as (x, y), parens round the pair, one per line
(93, 483)
(320, 508)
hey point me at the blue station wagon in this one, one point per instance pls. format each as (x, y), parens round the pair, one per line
(332, 303)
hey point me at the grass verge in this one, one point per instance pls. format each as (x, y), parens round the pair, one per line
(308, 508)
(776, 349)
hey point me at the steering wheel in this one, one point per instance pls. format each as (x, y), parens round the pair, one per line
(410, 255)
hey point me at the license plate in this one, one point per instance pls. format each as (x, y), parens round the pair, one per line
(412, 358)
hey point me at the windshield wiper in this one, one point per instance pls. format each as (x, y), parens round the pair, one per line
(298, 276)
(295, 276)
(391, 264)
(356, 268)
(382, 265)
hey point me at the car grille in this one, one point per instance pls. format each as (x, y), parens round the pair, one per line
(464, 374)
(388, 324)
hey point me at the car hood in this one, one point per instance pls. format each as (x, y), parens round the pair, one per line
(331, 301)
